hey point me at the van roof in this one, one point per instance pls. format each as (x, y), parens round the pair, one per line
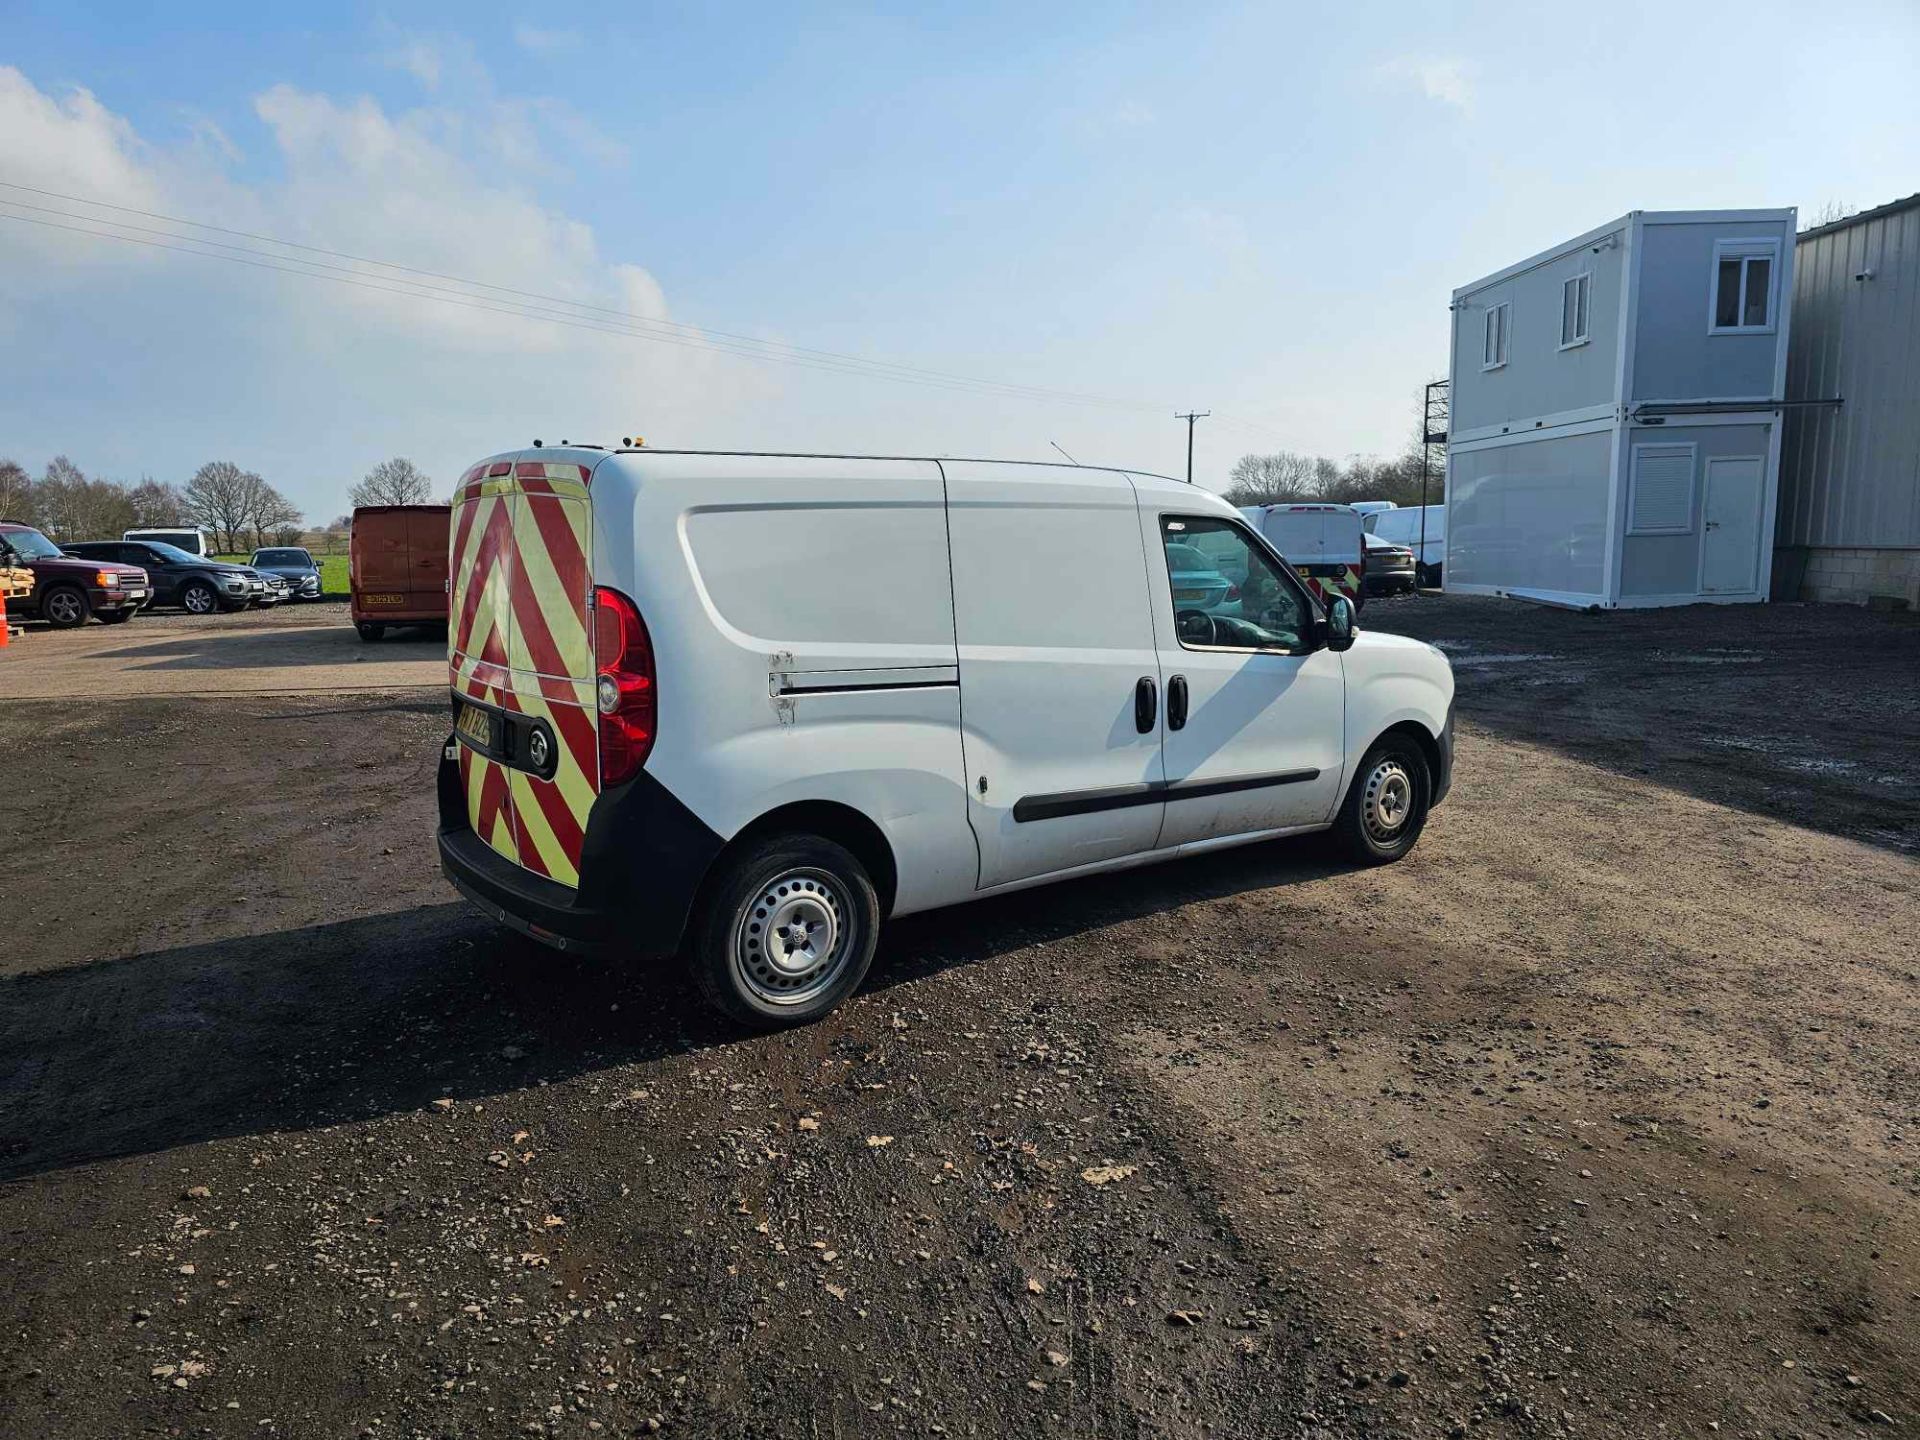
(381, 510)
(854, 455)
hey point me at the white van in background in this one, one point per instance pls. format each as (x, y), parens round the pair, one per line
(1322, 542)
(1402, 527)
(190, 538)
(1373, 507)
(765, 702)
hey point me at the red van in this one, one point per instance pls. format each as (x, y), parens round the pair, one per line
(397, 566)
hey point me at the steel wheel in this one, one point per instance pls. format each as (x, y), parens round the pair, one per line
(1387, 800)
(794, 938)
(198, 600)
(65, 607)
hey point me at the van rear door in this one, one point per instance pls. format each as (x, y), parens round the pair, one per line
(426, 576)
(520, 653)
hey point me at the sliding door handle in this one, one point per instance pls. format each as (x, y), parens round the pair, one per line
(1176, 702)
(1146, 704)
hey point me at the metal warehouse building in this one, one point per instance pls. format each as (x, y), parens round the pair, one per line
(1849, 509)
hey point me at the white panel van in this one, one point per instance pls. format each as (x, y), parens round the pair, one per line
(746, 707)
(1402, 527)
(190, 538)
(1321, 541)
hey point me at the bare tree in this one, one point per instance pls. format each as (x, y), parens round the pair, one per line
(72, 507)
(156, 503)
(220, 496)
(269, 510)
(1271, 479)
(393, 482)
(16, 494)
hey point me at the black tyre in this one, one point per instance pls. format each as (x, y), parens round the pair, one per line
(197, 597)
(1386, 806)
(118, 617)
(64, 607)
(370, 630)
(786, 931)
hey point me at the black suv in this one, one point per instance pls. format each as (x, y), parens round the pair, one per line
(193, 582)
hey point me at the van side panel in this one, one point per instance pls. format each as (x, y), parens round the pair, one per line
(801, 613)
(1056, 654)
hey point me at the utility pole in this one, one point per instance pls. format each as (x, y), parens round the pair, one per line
(1190, 417)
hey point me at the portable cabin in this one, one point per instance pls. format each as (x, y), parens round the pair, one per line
(1616, 403)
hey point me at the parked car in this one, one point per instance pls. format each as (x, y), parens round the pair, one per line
(1196, 581)
(661, 731)
(190, 538)
(1402, 527)
(67, 591)
(277, 590)
(193, 582)
(1389, 568)
(397, 567)
(292, 564)
(1321, 542)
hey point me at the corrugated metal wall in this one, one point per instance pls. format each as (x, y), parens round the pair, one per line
(1851, 476)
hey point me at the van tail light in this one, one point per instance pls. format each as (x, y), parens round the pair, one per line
(624, 692)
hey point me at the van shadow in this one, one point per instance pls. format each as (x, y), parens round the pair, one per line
(275, 648)
(349, 1021)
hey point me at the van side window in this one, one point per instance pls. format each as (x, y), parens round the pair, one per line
(1227, 593)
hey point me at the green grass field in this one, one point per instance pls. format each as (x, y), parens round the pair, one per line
(333, 573)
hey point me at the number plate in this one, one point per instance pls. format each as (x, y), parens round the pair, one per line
(383, 599)
(476, 725)
(1189, 594)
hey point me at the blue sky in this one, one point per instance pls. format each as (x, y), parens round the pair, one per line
(1259, 210)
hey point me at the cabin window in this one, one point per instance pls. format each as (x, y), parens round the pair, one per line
(1576, 296)
(1744, 275)
(1494, 349)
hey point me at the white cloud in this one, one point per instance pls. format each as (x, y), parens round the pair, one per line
(206, 358)
(536, 41)
(1442, 79)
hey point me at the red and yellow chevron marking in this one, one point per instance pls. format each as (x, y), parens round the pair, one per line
(520, 640)
(1345, 580)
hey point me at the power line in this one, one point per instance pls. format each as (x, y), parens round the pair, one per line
(642, 326)
(517, 303)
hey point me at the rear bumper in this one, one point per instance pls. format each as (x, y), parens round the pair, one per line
(545, 909)
(642, 863)
(398, 614)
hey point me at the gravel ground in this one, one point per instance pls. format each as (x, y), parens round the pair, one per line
(310, 648)
(1596, 1116)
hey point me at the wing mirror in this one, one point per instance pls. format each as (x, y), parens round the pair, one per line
(1340, 624)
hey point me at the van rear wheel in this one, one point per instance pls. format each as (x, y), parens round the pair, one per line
(1386, 806)
(370, 630)
(787, 931)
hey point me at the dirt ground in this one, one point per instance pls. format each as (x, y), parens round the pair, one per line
(1596, 1116)
(307, 648)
